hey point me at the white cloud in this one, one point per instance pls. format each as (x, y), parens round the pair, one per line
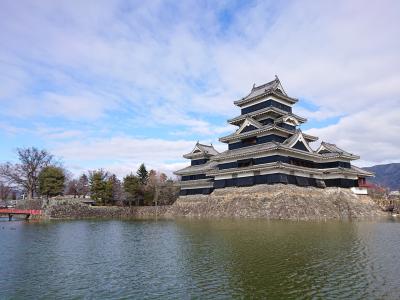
(126, 153)
(119, 147)
(10, 129)
(170, 64)
(86, 106)
(52, 133)
(372, 133)
(122, 154)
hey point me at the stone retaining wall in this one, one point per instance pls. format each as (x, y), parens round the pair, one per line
(261, 201)
(277, 202)
(76, 210)
(389, 204)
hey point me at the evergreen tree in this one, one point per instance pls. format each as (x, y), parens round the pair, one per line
(150, 188)
(98, 186)
(108, 192)
(51, 181)
(112, 190)
(142, 174)
(131, 184)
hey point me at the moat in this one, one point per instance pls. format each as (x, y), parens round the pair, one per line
(191, 258)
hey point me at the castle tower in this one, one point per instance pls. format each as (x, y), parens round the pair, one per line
(268, 147)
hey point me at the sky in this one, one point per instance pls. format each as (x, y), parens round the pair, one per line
(111, 84)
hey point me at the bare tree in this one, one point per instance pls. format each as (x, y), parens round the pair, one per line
(159, 190)
(116, 190)
(83, 187)
(72, 188)
(25, 173)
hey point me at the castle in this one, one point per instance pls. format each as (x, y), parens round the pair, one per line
(268, 148)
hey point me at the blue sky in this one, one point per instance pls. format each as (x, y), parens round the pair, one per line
(111, 84)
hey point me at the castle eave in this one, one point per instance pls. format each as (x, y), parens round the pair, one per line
(362, 172)
(190, 170)
(196, 155)
(263, 129)
(197, 183)
(311, 138)
(285, 166)
(279, 112)
(255, 95)
(267, 148)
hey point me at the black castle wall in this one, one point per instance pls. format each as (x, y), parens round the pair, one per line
(288, 160)
(265, 104)
(282, 178)
(259, 140)
(195, 162)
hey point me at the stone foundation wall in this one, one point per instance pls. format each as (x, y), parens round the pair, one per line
(76, 210)
(388, 204)
(277, 202)
(261, 201)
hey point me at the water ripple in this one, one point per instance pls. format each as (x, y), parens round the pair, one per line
(204, 259)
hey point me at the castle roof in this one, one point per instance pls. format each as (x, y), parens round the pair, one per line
(247, 122)
(289, 118)
(329, 149)
(209, 149)
(273, 87)
(298, 137)
(285, 147)
(275, 110)
(258, 131)
(201, 150)
(196, 169)
(361, 171)
(250, 150)
(285, 166)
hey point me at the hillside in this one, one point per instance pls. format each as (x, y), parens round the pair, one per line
(386, 175)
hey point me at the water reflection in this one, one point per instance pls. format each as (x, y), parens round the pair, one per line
(199, 259)
(271, 259)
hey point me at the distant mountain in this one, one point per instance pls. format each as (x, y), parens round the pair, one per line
(386, 175)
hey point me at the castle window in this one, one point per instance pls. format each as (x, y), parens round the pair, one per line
(245, 163)
(250, 141)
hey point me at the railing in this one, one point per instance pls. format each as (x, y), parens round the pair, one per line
(15, 211)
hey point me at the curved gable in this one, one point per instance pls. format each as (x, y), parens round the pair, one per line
(297, 141)
(248, 125)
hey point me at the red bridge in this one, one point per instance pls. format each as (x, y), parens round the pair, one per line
(13, 211)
